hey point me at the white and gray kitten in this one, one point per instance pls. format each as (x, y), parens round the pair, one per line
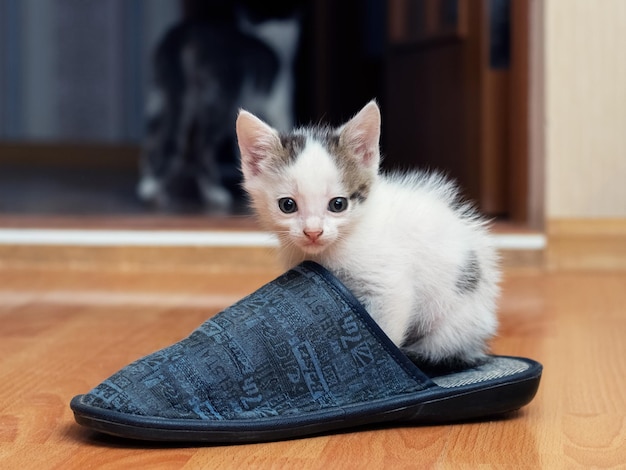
(421, 262)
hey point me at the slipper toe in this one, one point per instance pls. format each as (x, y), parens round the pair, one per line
(294, 346)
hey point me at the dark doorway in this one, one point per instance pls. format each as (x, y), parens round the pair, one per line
(450, 77)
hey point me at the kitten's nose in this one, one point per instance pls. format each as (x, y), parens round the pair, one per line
(313, 235)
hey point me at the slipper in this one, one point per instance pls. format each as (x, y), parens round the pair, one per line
(300, 356)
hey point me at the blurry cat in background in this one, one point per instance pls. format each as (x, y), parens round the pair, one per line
(422, 262)
(204, 70)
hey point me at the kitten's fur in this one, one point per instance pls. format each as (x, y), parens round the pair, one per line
(421, 262)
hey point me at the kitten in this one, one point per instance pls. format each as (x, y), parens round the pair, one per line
(421, 262)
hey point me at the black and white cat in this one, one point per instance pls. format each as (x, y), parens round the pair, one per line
(421, 261)
(204, 71)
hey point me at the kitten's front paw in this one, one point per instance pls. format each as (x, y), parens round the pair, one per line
(151, 191)
(434, 368)
(216, 198)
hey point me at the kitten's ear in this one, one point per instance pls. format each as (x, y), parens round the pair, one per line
(362, 134)
(256, 141)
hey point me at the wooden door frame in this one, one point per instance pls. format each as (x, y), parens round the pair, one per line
(509, 175)
(536, 116)
(526, 174)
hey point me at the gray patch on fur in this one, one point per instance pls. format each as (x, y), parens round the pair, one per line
(470, 274)
(360, 195)
(357, 180)
(292, 146)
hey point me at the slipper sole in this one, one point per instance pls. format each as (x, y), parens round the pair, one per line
(461, 405)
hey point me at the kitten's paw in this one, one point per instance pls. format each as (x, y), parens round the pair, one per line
(216, 198)
(447, 365)
(151, 191)
(430, 352)
(148, 188)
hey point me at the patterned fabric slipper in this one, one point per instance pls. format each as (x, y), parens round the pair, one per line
(300, 356)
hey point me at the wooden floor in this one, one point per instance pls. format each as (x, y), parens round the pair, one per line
(62, 331)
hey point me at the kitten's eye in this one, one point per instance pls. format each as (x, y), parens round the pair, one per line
(287, 205)
(338, 204)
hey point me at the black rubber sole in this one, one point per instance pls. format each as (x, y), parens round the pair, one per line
(460, 405)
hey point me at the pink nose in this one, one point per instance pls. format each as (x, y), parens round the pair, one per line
(313, 235)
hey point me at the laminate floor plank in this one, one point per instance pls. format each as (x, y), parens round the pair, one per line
(64, 331)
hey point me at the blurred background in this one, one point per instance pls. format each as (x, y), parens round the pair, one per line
(126, 107)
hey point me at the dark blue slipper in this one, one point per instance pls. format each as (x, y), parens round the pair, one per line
(300, 356)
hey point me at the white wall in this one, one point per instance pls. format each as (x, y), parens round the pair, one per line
(585, 108)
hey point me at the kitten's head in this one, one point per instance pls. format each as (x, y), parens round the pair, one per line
(310, 186)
